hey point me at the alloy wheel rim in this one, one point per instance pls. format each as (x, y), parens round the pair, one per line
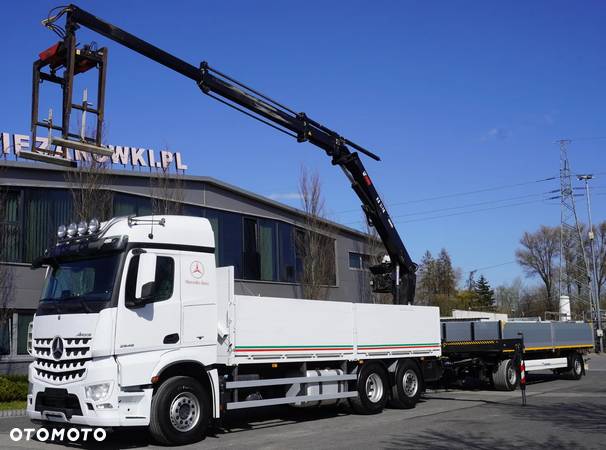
(511, 375)
(374, 387)
(410, 383)
(184, 412)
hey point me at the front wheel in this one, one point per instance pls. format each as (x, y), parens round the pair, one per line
(180, 411)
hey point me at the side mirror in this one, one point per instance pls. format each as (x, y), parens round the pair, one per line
(146, 277)
(147, 290)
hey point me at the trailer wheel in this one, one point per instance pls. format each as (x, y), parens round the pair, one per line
(575, 367)
(407, 387)
(180, 411)
(504, 376)
(372, 390)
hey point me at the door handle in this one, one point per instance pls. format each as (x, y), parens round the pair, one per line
(171, 338)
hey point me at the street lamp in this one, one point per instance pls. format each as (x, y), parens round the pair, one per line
(594, 273)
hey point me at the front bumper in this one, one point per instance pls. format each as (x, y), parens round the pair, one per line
(67, 402)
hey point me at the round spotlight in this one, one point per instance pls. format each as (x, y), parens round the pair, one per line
(93, 226)
(61, 231)
(82, 227)
(71, 229)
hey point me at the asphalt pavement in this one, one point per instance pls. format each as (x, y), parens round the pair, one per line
(559, 414)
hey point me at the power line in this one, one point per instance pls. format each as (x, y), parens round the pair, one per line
(488, 202)
(495, 265)
(470, 212)
(458, 194)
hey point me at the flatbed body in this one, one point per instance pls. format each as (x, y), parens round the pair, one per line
(538, 336)
(268, 329)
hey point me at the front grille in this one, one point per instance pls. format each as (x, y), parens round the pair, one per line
(58, 400)
(70, 367)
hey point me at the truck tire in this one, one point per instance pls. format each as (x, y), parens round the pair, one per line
(180, 411)
(372, 389)
(575, 367)
(407, 386)
(504, 376)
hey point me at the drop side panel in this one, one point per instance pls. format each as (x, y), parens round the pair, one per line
(397, 330)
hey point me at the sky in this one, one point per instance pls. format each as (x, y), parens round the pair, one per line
(463, 101)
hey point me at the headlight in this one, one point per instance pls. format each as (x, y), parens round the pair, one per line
(98, 392)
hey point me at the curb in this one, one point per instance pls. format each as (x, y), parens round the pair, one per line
(12, 413)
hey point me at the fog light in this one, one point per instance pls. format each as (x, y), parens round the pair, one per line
(82, 228)
(105, 406)
(71, 229)
(98, 392)
(61, 231)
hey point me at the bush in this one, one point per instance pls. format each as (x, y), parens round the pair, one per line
(13, 388)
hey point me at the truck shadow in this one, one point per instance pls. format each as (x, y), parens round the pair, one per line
(233, 422)
(473, 384)
(471, 440)
(270, 417)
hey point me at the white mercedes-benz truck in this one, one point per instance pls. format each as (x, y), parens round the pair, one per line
(137, 326)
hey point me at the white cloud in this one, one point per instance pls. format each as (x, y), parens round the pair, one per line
(499, 134)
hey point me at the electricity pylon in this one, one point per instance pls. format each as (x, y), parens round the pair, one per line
(574, 268)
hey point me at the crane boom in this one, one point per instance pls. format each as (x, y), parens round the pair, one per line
(396, 276)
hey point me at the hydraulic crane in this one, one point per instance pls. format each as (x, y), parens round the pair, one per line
(396, 275)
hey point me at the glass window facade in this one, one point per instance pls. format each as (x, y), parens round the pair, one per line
(23, 321)
(258, 248)
(358, 261)
(5, 336)
(9, 225)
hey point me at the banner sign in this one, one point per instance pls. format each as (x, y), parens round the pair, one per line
(12, 144)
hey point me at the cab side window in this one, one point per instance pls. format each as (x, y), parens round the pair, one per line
(164, 279)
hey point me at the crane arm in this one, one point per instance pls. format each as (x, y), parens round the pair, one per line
(396, 276)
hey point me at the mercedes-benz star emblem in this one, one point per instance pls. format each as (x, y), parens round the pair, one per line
(57, 347)
(196, 269)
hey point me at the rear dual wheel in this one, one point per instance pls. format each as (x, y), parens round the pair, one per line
(373, 390)
(575, 367)
(505, 376)
(407, 387)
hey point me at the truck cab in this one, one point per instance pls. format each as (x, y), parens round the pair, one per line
(123, 301)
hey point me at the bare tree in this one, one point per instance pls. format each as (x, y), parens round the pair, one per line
(167, 192)
(315, 248)
(538, 258)
(599, 232)
(89, 184)
(508, 297)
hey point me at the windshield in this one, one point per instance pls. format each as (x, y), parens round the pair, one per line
(84, 285)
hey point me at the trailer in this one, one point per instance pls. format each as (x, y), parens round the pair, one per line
(484, 349)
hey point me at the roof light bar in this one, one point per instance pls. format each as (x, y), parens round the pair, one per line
(47, 159)
(82, 146)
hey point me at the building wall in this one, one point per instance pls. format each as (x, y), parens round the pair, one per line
(199, 194)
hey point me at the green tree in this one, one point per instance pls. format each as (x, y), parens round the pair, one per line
(484, 294)
(436, 281)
